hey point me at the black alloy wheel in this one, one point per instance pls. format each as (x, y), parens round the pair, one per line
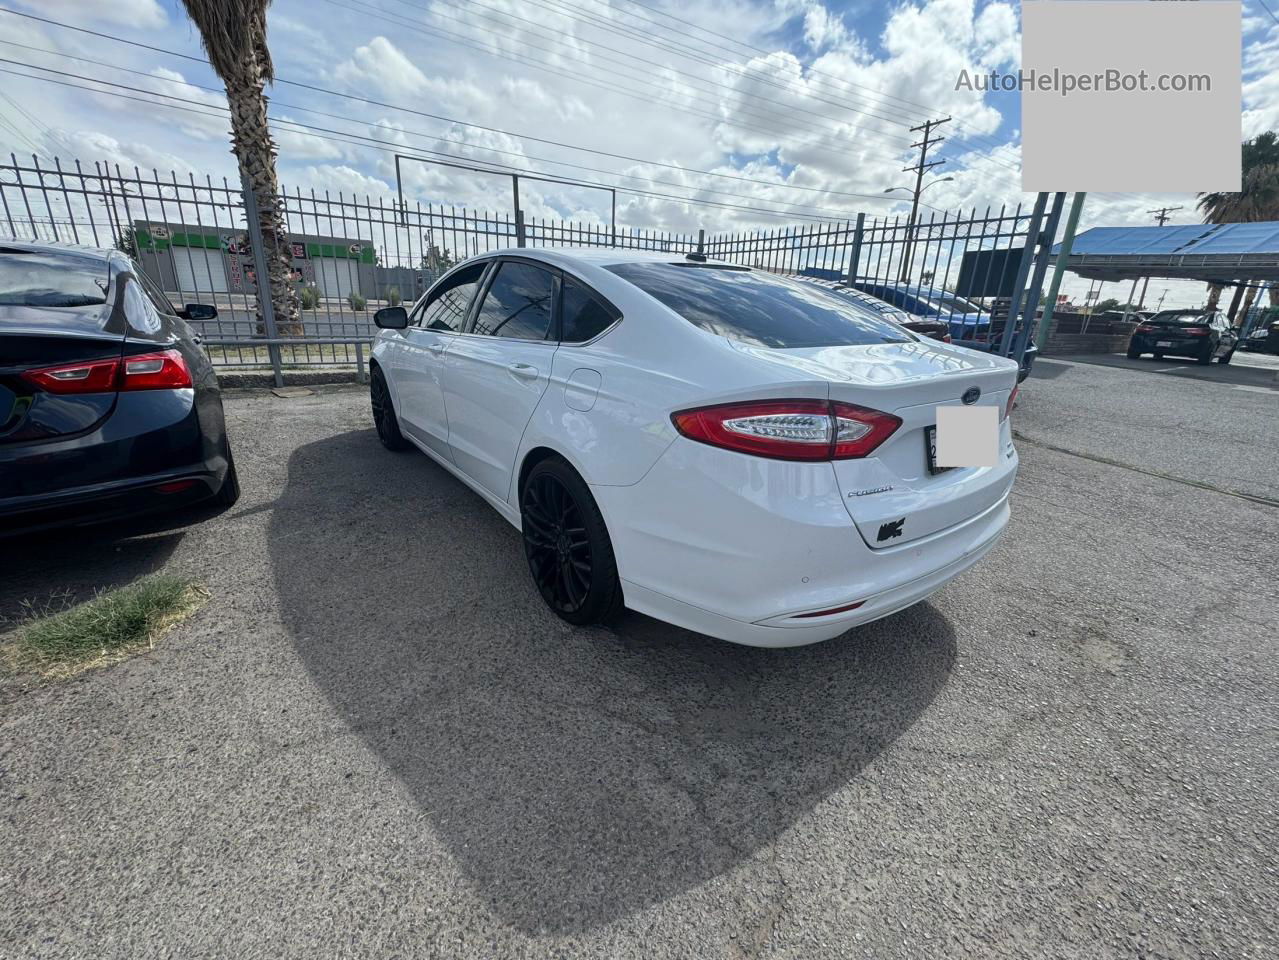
(388, 428)
(1206, 354)
(567, 545)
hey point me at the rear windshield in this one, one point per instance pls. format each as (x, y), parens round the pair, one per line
(1192, 319)
(50, 279)
(953, 304)
(759, 308)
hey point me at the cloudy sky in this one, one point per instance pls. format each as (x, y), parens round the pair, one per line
(801, 108)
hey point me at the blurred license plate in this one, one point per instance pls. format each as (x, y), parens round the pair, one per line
(1163, 343)
(930, 449)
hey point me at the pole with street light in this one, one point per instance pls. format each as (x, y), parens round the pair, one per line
(919, 169)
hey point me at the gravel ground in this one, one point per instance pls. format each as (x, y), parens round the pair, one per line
(375, 741)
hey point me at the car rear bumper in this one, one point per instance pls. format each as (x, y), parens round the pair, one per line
(1178, 346)
(108, 501)
(748, 556)
(152, 453)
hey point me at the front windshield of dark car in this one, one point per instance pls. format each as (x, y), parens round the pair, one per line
(51, 279)
(759, 308)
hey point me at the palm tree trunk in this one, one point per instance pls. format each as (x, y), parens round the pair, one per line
(255, 151)
(1249, 297)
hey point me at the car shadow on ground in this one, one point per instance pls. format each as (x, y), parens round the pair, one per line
(54, 568)
(575, 775)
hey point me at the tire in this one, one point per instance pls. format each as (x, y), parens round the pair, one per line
(229, 492)
(1205, 355)
(388, 426)
(570, 556)
(1227, 357)
(1157, 355)
(1134, 353)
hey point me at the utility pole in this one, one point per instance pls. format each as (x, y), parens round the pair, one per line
(1161, 216)
(928, 140)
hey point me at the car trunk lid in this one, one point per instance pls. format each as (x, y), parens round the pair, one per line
(33, 338)
(891, 495)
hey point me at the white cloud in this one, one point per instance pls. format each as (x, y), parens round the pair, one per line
(384, 66)
(139, 14)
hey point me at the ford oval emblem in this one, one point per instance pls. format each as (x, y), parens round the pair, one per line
(971, 395)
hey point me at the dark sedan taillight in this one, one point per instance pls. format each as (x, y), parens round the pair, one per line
(1196, 331)
(789, 429)
(1145, 328)
(163, 370)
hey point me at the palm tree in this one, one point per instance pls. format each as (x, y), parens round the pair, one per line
(233, 34)
(1258, 199)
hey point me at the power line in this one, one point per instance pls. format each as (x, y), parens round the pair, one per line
(577, 78)
(444, 119)
(1161, 214)
(648, 41)
(924, 164)
(759, 50)
(396, 129)
(339, 136)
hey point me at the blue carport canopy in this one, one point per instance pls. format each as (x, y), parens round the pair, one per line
(1225, 252)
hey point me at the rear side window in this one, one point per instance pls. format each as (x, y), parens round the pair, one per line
(759, 308)
(583, 316)
(446, 309)
(518, 303)
(51, 279)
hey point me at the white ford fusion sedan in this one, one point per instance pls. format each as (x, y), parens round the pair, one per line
(743, 455)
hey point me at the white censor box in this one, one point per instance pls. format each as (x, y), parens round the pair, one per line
(967, 436)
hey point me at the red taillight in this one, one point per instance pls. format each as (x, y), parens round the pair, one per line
(789, 429)
(176, 486)
(831, 612)
(1012, 398)
(93, 376)
(1196, 331)
(1145, 328)
(165, 370)
(946, 338)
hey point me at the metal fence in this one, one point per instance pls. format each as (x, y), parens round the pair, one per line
(354, 254)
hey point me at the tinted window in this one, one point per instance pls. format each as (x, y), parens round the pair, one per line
(759, 308)
(51, 279)
(1184, 318)
(518, 303)
(446, 309)
(583, 316)
(155, 293)
(138, 308)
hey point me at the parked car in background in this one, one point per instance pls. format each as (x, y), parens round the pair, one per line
(969, 324)
(1203, 335)
(1262, 340)
(108, 405)
(741, 454)
(930, 327)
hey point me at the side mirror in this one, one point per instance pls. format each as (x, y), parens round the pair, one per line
(199, 311)
(392, 318)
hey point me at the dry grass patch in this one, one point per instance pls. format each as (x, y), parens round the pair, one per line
(106, 629)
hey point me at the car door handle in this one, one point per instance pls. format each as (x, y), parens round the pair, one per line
(525, 370)
(436, 347)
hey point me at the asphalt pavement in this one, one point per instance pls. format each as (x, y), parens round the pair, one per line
(375, 741)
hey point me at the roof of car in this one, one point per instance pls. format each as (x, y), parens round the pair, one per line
(597, 256)
(54, 246)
